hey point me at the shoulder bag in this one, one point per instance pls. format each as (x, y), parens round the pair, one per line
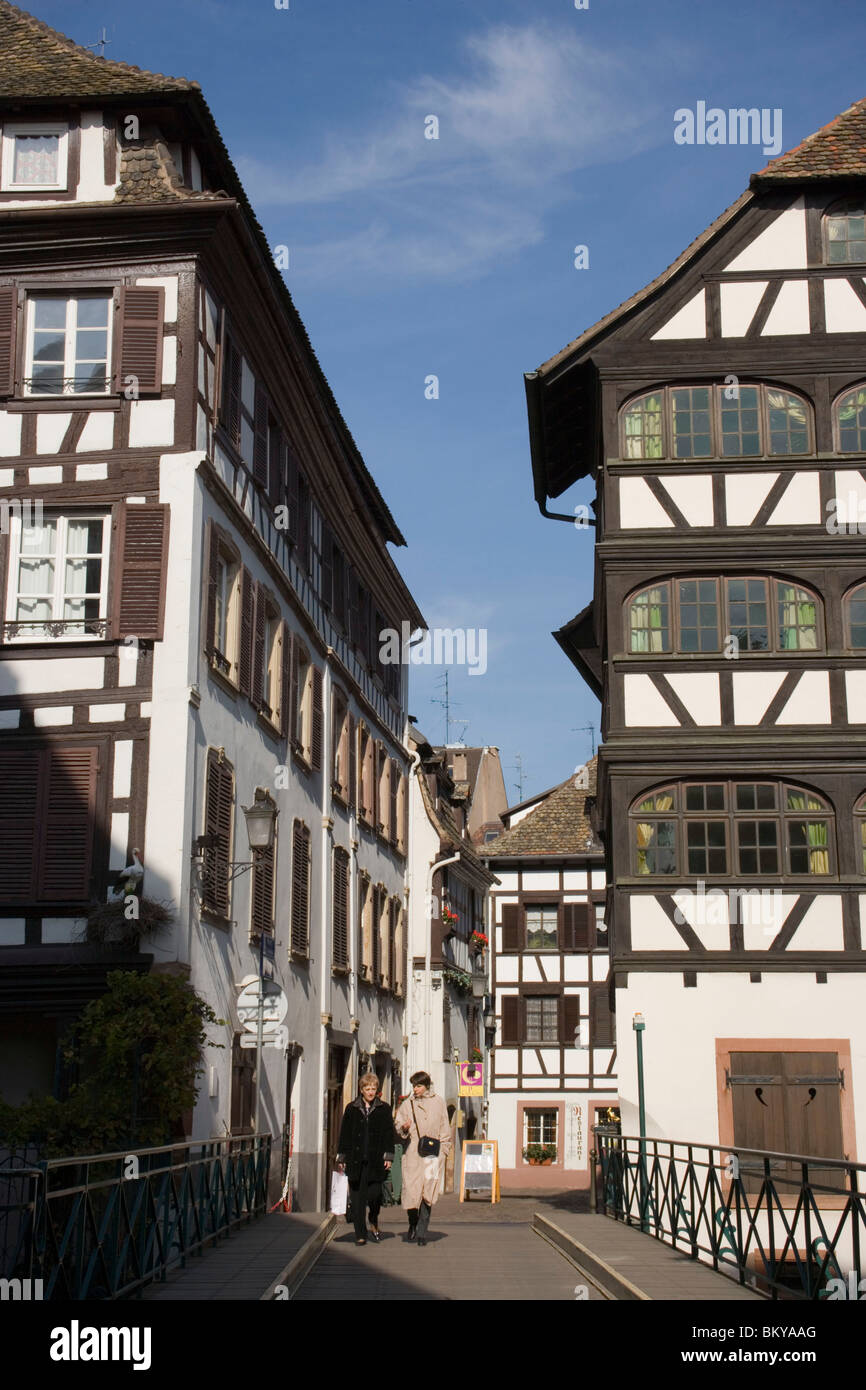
(427, 1147)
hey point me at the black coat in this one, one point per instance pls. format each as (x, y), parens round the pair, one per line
(380, 1139)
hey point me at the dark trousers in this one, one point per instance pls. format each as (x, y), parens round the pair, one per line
(364, 1194)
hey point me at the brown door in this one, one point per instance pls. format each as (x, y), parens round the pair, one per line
(787, 1102)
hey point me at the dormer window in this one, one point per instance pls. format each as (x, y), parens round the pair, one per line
(34, 157)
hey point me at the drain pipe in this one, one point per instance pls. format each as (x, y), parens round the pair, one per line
(428, 930)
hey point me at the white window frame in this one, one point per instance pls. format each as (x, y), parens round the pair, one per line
(228, 586)
(542, 1109)
(543, 908)
(69, 344)
(36, 633)
(11, 131)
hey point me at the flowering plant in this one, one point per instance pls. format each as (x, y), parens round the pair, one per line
(449, 917)
(478, 938)
(477, 1055)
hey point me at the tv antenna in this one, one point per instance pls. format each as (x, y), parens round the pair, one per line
(100, 43)
(587, 729)
(517, 765)
(445, 702)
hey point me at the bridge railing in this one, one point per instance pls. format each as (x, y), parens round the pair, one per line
(790, 1226)
(104, 1225)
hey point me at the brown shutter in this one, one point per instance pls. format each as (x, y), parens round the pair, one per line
(377, 938)
(291, 485)
(245, 655)
(300, 928)
(316, 734)
(364, 622)
(260, 440)
(276, 466)
(303, 524)
(140, 564)
(353, 763)
(140, 317)
(354, 614)
(569, 1018)
(392, 826)
(294, 692)
(257, 684)
(212, 548)
(393, 962)
(230, 399)
(8, 327)
(602, 1021)
(339, 566)
(327, 583)
(341, 909)
(577, 919)
(404, 828)
(511, 1019)
(21, 772)
(219, 802)
(511, 927)
(263, 891)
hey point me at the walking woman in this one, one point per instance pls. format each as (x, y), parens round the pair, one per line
(366, 1152)
(422, 1119)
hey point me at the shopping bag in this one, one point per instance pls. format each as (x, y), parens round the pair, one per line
(339, 1193)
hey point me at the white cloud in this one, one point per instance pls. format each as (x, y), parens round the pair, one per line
(531, 107)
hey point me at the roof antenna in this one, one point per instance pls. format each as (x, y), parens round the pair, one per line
(100, 43)
(589, 729)
(517, 765)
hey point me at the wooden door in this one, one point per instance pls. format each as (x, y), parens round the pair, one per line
(338, 1062)
(786, 1102)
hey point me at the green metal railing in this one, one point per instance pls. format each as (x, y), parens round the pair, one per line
(788, 1225)
(105, 1225)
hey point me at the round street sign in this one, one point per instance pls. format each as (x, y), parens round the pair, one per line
(276, 1006)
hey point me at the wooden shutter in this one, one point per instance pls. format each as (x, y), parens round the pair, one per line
(354, 612)
(219, 803)
(290, 464)
(392, 825)
(21, 773)
(303, 523)
(139, 318)
(317, 720)
(393, 967)
(511, 927)
(353, 763)
(230, 399)
(140, 562)
(263, 891)
(577, 920)
(377, 934)
(602, 1020)
(339, 567)
(67, 824)
(327, 581)
(364, 622)
(245, 654)
(569, 1018)
(404, 819)
(257, 683)
(300, 924)
(212, 550)
(8, 333)
(260, 439)
(286, 728)
(511, 1015)
(341, 909)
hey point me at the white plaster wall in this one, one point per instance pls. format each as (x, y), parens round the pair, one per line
(744, 493)
(800, 503)
(688, 322)
(693, 495)
(682, 1026)
(781, 246)
(738, 304)
(790, 313)
(52, 675)
(92, 187)
(639, 509)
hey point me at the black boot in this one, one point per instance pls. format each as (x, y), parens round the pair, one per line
(423, 1223)
(413, 1222)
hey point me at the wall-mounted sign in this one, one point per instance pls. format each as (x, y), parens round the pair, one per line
(470, 1078)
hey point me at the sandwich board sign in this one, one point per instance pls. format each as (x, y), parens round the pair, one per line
(479, 1173)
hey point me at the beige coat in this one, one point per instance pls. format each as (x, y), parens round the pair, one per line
(422, 1177)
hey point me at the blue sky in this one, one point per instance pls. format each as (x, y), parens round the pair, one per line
(412, 257)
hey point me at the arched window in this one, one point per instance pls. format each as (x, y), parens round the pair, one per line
(696, 422)
(701, 614)
(855, 617)
(845, 232)
(860, 824)
(731, 829)
(849, 417)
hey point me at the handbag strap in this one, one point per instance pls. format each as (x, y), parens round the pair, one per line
(415, 1117)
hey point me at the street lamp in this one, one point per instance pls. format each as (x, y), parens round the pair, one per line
(639, 1024)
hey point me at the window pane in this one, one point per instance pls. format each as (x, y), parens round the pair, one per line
(788, 422)
(857, 617)
(541, 928)
(650, 621)
(851, 421)
(691, 422)
(798, 624)
(845, 234)
(699, 616)
(36, 159)
(740, 423)
(642, 429)
(748, 613)
(92, 310)
(656, 847)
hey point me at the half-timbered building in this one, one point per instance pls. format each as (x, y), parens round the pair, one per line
(553, 1066)
(195, 575)
(722, 412)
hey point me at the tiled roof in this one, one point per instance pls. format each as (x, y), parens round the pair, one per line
(37, 61)
(837, 150)
(558, 825)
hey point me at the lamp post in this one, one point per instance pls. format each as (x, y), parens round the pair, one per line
(639, 1024)
(261, 819)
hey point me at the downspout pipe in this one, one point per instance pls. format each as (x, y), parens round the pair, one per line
(428, 930)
